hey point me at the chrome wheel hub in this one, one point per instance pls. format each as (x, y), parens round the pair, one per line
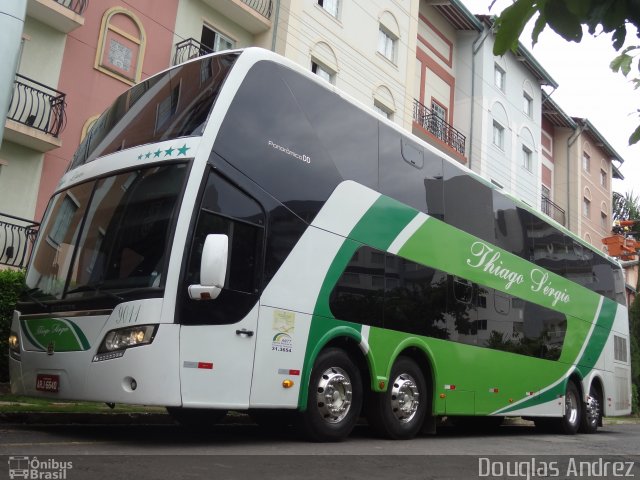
(571, 408)
(405, 398)
(334, 395)
(593, 410)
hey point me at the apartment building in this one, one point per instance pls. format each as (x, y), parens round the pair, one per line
(425, 64)
(578, 165)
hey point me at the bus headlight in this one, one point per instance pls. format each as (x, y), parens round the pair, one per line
(117, 341)
(14, 345)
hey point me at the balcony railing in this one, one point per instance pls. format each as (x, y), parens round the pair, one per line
(432, 123)
(77, 6)
(38, 106)
(17, 236)
(263, 7)
(552, 210)
(188, 49)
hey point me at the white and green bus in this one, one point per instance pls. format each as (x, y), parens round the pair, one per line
(236, 234)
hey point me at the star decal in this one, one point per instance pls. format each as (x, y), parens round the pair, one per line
(183, 150)
(157, 153)
(147, 155)
(140, 157)
(169, 151)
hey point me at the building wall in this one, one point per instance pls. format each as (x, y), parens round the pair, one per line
(89, 90)
(597, 224)
(193, 14)
(19, 166)
(505, 165)
(40, 60)
(347, 45)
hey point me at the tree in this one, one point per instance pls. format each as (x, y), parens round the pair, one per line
(627, 207)
(567, 18)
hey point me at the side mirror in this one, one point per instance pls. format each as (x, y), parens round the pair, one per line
(213, 268)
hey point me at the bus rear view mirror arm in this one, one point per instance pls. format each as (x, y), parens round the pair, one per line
(213, 268)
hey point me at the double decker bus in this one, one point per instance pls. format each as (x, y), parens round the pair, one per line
(235, 233)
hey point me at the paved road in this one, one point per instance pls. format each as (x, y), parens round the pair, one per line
(242, 451)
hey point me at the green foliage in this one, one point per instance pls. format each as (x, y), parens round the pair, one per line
(11, 284)
(567, 18)
(635, 400)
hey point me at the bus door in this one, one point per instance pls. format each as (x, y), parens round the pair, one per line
(217, 335)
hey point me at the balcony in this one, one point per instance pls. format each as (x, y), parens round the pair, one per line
(252, 15)
(188, 49)
(63, 15)
(36, 115)
(552, 210)
(17, 236)
(438, 128)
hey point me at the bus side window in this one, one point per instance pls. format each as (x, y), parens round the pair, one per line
(227, 210)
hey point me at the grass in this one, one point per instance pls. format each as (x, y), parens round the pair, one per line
(17, 404)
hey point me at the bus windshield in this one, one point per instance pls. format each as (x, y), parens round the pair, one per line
(169, 105)
(108, 234)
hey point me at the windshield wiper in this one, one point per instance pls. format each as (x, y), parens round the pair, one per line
(29, 295)
(95, 288)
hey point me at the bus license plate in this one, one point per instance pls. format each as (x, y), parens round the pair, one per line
(47, 383)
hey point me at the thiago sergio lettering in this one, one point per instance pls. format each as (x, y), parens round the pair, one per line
(488, 260)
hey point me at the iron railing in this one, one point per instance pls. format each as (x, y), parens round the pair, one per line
(17, 236)
(427, 119)
(38, 106)
(263, 7)
(78, 6)
(188, 49)
(552, 210)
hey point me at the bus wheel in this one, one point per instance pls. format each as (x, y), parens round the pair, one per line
(592, 411)
(570, 423)
(196, 417)
(334, 399)
(399, 412)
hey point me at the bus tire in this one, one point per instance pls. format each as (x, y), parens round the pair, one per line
(570, 422)
(399, 412)
(592, 411)
(196, 417)
(334, 399)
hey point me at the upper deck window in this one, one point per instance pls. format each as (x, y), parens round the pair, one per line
(173, 104)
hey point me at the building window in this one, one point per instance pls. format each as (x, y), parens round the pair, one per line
(387, 44)
(586, 162)
(546, 192)
(586, 207)
(215, 40)
(383, 110)
(121, 45)
(527, 159)
(499, 77)
(330, 6)
(604, 182)
(498, 135)
(527, 104)
(322, 71)
(604, 221)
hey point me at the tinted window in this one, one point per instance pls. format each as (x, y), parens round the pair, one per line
(468, 203)
(269, 136)
(512, 224)
(170, 105)
(421, 300)
(359, 294)
(404, 177)
(225, 209)
(549, 246)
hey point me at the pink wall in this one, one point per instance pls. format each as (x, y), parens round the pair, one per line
(90, 91)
